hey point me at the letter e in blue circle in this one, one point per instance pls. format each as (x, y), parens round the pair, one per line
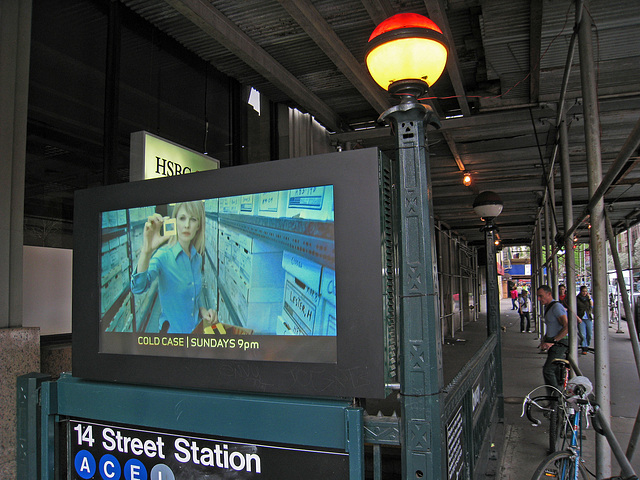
(85, 464)
(135, 470)
(110, 468)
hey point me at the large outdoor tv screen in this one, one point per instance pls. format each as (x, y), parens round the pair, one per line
(222, 278)
(272, 277)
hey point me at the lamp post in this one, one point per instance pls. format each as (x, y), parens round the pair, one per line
(488, 206)
(407, 53)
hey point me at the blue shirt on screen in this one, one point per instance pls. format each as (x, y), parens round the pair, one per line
(179, 286)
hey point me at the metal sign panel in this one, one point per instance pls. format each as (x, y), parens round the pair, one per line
(455, 447)
(109, 451)
(154, 157)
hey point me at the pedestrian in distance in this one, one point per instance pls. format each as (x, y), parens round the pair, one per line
(514, 299)
(562, 296)
(524, 309)
(584, 305)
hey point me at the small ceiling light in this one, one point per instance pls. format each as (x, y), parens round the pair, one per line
(407, 53)
(466, 179)
(488, 205)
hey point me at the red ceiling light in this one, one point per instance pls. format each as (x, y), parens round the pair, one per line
(407, 53)
(466, 179)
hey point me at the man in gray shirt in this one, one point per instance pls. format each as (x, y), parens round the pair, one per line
(555, 341)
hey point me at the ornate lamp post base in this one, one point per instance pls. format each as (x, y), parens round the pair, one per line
(421, 347)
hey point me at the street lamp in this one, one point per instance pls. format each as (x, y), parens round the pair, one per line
(488, 205)
(407, 53)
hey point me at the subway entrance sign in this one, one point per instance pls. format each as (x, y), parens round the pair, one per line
(78, 429)
(107, 451)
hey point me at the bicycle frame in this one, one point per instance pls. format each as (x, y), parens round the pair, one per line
(579, 407)
(575, 446)
(554, 408)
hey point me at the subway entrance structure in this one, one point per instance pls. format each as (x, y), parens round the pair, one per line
(157, 398)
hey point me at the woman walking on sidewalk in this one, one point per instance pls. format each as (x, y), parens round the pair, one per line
(514, 299)
(585, 313)
(524, 303)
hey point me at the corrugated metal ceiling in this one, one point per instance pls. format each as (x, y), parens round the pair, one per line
(510, 133)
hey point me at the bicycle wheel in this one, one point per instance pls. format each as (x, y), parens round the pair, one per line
(560, 465)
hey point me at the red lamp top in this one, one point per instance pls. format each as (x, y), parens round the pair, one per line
(404, 20)
(406, 53)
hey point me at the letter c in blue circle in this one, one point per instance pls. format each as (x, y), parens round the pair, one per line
(85, 464)
(134, 469)
(110, 468)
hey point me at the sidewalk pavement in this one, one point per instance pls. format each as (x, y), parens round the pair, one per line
(525, 445)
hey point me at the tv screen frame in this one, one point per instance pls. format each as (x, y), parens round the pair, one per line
(361, 361)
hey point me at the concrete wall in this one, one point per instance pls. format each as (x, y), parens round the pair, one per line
(19, 354)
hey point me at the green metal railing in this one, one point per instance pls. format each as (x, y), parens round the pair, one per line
(469, 407)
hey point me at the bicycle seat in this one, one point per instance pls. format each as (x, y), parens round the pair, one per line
(561, 361)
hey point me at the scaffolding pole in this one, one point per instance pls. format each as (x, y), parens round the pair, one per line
(569, 256)
(565, 82)
(553, 230)
(548, 243)
(597, 237)
(532, 287)
(630, 146)
(631, 326)
(539, 275)
(633, 334)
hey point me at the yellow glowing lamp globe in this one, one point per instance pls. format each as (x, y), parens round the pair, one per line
(406, 49)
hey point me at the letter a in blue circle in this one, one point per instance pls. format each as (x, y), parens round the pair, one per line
(110, 468)
(135, 470)
(85, 464)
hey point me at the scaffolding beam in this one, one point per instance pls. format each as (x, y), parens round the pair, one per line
(597, 236)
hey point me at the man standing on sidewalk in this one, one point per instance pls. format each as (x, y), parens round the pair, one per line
(555, 341)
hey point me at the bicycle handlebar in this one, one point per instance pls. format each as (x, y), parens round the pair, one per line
(534, 401)
(534, 421)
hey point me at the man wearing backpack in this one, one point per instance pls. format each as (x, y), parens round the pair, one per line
(555, 341)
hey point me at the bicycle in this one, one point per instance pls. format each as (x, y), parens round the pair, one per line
(551, 405)
(567, 464)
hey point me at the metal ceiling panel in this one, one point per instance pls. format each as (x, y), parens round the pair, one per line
(507, 138)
